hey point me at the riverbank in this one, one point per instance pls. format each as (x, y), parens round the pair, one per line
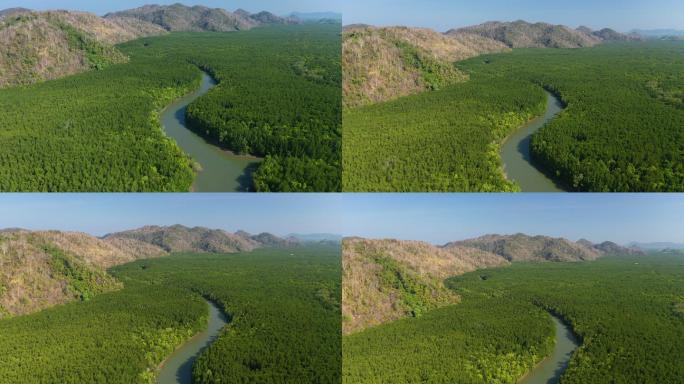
(177, 368)
(220, 170)
(549, 370)
(515, 152)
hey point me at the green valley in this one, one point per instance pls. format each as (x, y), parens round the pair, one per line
(620, 130)
(282, 305)
(623, 309)
(277, 97)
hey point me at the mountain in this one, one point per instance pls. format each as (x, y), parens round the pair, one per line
(178, 17)
(607, 34)
(386, 280)
(315, 17)
(521, 34)
(521, 247)
(264, 17)
(178, 238)
(610, 248)
(381, 64)
(42, 269)
(39, 46)
(13, 11)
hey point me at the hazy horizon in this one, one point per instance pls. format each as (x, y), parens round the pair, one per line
(442, 15)
(434, 218)
(441, 218)
(278, 7)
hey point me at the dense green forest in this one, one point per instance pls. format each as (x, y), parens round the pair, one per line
(285, 324)
(278, 97)
(625, 310)
(446, 140)
(623, 129)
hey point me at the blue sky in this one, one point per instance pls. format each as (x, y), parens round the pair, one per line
(442, 15)
(437, 218)
(100, 7)
(440, 218)
(100, 214)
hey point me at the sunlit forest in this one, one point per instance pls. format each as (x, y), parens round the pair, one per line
(625, 311)
(622, 130)
(278, 97)
(283, 305)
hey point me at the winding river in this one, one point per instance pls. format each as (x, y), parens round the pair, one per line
(177, 368)
(222, 171)
(515, 152)
(550, 369)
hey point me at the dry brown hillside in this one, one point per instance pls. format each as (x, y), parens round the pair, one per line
(37, 46)
(521, 34)
(381, 64)
(178, 238)
(42, 269)
(385, 280)
(521, 247)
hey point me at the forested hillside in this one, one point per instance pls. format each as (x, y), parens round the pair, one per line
(286, 331)
(278, 97)
(501, 329)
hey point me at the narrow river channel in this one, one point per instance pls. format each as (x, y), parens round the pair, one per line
(550, 369)
(177, 368)
(515, 152)
(222, 171)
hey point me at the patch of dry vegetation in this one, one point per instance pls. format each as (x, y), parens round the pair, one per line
(43, 269)
(381, 64)
(521, 34)
(386, 280)
(37, 46)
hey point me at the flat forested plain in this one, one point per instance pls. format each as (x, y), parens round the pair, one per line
(622, 130)
(285, 326)
(626, 312)
(278, 97)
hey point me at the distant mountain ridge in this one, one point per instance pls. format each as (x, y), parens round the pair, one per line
(317, 16)
(178, 238)
(521, 34)
(40, 269)
(178, 17)
(385, 280)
